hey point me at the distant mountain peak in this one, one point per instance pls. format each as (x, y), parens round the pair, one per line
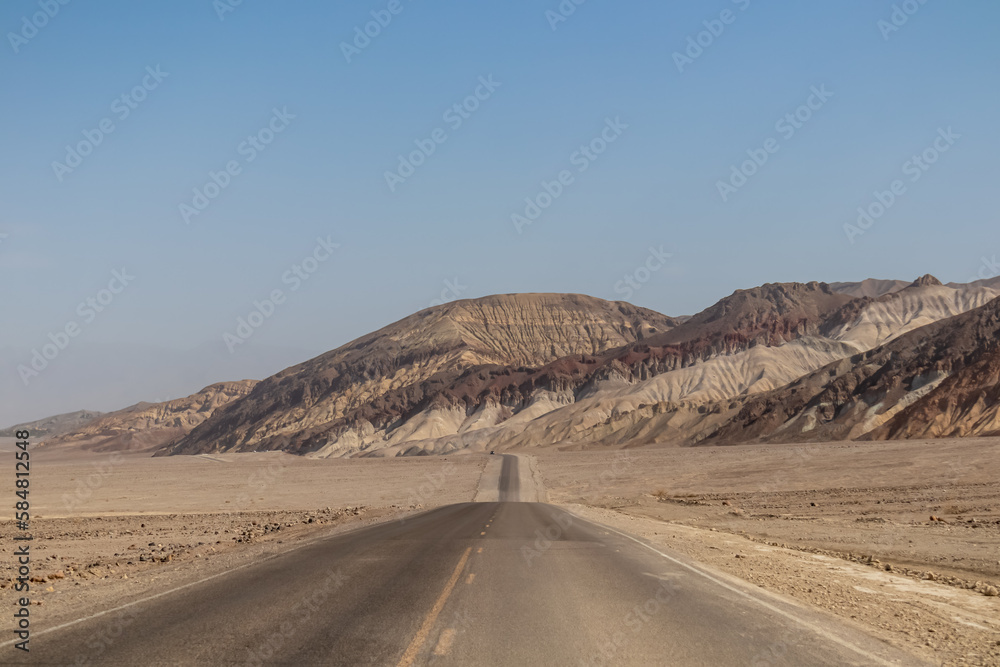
(926, 280)
(778, 362)
(870, 287)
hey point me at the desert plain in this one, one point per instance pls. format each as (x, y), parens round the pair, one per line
(901, 538)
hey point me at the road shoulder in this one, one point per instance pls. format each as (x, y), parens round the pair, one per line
(489, 481)
(939, 623)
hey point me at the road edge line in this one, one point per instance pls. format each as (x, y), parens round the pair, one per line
(279, 554)
(767, 605)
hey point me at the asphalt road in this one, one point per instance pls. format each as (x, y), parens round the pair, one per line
(510, 482)
(504, 583)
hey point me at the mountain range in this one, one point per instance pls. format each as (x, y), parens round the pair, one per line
(783, 362)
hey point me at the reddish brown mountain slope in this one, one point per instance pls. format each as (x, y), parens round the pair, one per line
(381, 378)
(937, 380)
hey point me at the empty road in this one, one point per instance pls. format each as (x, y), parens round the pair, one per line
(505, 583)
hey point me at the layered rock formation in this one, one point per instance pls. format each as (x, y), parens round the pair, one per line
(369, 391)
(781, 362)
(149, 426)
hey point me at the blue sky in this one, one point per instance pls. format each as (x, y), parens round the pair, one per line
(448, 227)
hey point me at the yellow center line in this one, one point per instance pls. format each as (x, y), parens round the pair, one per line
(444, 643)
(421, 637)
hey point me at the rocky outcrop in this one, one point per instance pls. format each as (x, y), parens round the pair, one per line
(345, 400)
(938, 380)
(149, 426)
(780, 362)
(457, 375)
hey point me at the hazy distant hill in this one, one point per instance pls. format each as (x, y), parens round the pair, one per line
(148, 426)
(52, 426)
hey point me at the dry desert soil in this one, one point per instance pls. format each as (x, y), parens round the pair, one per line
(846, 527)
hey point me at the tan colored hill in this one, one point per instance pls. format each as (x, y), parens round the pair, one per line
(495, 408)
(515, 371)
(675, 392)
(339, 399)
(52, 426)
(148, 426)
(937, 381)
(923, 302)
(870, 287)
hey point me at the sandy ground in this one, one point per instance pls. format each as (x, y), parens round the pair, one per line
(68, 484)
(113, 528)
(843, 526)
(820, 523)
